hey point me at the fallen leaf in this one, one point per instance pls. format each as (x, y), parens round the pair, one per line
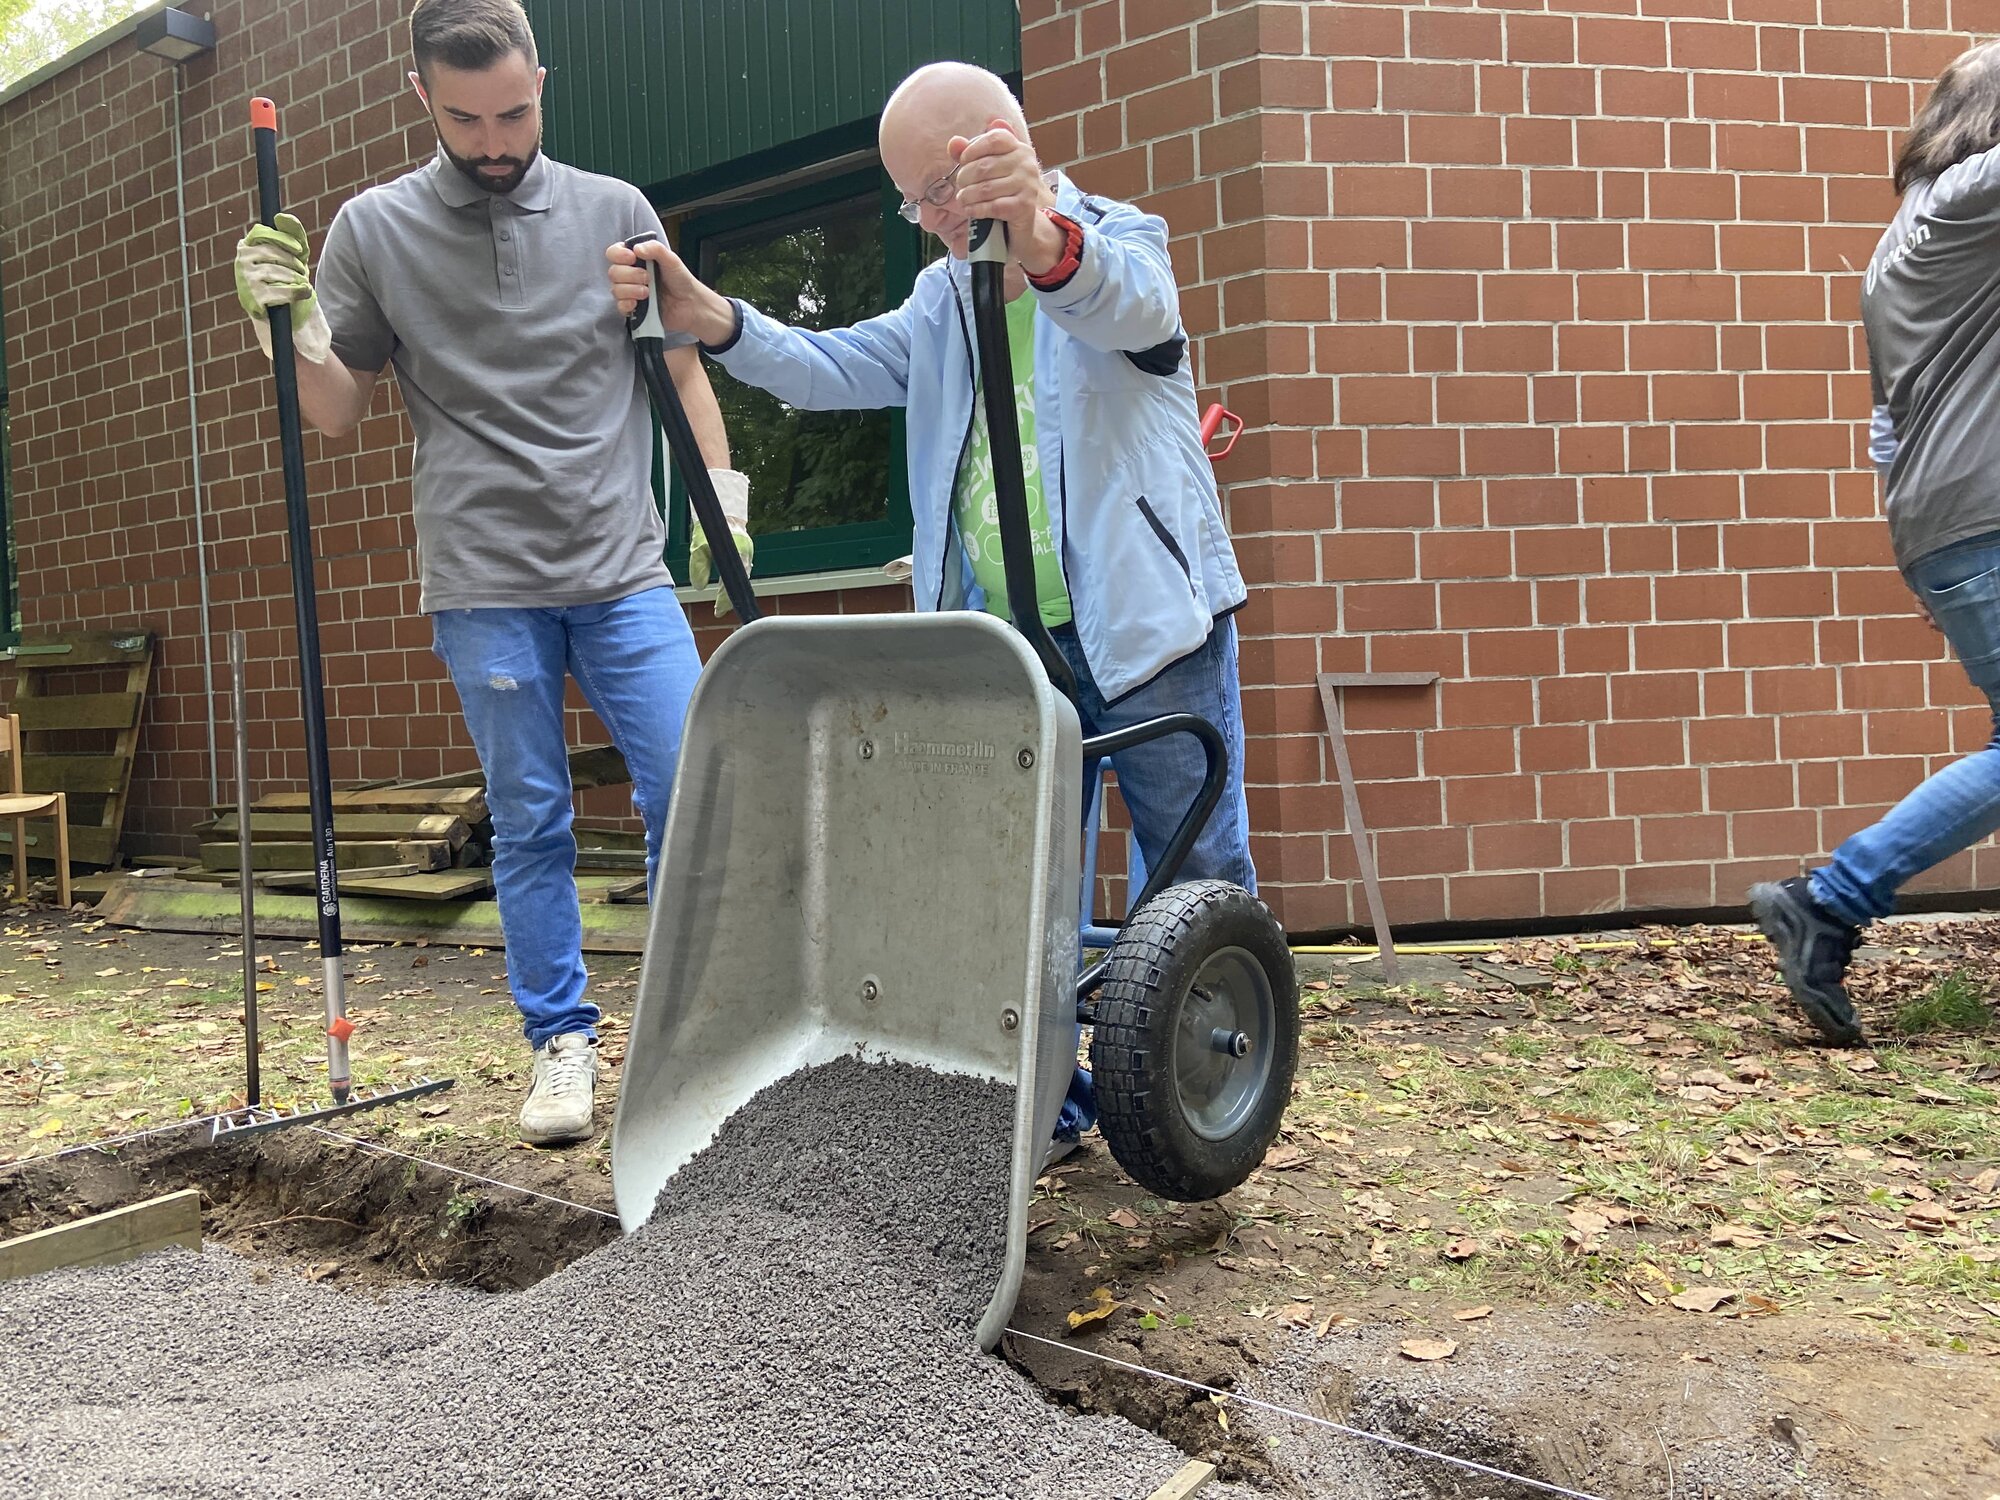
(1299, 1314)
(1741, 1236)
(1461, 1249)
(1429, 1349)
(1284, 1157)
(432, 1111)
(46, 1129)
(1588, 1222)
(1987, 1181)
(1929, 1218)
(1473, 1314)
(107, 973)
(1702, 1299)
(1100, 1307)
(1124, 1218)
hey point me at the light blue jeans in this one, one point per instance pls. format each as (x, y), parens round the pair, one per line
(1160, 780)
(635, 660)
(1960, 805)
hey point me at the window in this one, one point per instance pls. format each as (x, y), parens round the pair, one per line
(828, 490)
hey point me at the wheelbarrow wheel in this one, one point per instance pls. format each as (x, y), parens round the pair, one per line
(1196, 1040)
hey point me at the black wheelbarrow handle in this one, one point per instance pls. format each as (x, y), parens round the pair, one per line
(649, 346)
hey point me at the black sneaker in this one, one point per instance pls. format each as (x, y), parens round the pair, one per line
(1813, 947)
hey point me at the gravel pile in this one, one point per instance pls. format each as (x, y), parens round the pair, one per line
(795, 1320)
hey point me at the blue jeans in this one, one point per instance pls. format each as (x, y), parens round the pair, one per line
(635, 660)
(1960, 805)
(1160, 779)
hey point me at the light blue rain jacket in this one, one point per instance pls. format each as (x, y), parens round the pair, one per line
(1128, 485)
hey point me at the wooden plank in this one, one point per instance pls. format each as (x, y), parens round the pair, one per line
(305, 880)
(355, 856)
(611, 859)
(610, 887)
(87, 845)
(596, 836)
(85, 648)
(467, 802)
(174, 905)
(80, 711)
(348, 827)
(73, 773)
(589, 766)
(107, 1238)
(441, 885)
(1192, 1476)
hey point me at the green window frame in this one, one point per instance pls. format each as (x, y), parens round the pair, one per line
(700, 238)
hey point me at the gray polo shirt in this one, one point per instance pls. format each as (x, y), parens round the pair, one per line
(534, 442)
(1930, 303)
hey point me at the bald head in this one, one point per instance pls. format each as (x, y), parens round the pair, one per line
(934, 106)
(944, 99)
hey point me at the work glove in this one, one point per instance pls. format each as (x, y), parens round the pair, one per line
(732, 489)
(272, 271)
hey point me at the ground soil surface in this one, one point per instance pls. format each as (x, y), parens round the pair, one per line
(1598, 1213)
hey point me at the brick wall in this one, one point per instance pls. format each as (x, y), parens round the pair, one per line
(1543, 317)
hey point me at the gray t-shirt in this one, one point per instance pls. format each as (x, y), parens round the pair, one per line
(1930, 304)
(534, 443)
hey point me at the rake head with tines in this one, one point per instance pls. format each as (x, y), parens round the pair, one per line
(268, 1117)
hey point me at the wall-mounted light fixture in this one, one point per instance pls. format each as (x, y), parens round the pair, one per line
(175, 35)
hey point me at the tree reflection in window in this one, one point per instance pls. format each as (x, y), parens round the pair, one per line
(819, 269)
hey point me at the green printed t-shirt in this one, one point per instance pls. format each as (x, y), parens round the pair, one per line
(976, 507)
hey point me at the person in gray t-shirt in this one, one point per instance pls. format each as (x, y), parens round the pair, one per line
(1930, 305)
(540, 552)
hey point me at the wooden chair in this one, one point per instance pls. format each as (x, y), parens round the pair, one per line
(19, 806)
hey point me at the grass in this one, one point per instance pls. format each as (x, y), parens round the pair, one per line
(1955, 1004)
(130, 1030)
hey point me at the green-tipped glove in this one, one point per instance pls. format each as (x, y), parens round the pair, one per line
(732, 489)
(273, 270)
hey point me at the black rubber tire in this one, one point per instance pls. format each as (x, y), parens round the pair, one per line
(1148, 978)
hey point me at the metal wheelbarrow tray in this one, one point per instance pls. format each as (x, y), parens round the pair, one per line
(871, 848)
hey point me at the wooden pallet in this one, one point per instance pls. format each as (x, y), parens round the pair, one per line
(81, 742)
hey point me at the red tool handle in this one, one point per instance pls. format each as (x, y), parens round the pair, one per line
(1211, 422)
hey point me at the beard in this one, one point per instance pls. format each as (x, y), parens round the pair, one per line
(517, 167)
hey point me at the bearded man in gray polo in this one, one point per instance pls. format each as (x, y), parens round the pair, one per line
(540, 551)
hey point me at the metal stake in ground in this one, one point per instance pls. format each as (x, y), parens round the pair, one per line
(312, 702)
(238, 699)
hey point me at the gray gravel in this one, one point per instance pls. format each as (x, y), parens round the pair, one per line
(796, 1319)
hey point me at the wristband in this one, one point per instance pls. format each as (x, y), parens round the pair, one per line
(1072, 256)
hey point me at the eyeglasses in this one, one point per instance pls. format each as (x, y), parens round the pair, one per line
(936, 195)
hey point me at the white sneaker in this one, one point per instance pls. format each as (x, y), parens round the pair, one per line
(559, 1104)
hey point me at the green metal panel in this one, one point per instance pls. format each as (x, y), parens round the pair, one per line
(659, 92)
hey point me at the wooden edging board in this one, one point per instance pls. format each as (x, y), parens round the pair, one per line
(1193, 1475)
(163, 904)
(104, 1239)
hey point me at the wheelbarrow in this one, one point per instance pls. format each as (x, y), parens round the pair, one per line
(874, 847)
